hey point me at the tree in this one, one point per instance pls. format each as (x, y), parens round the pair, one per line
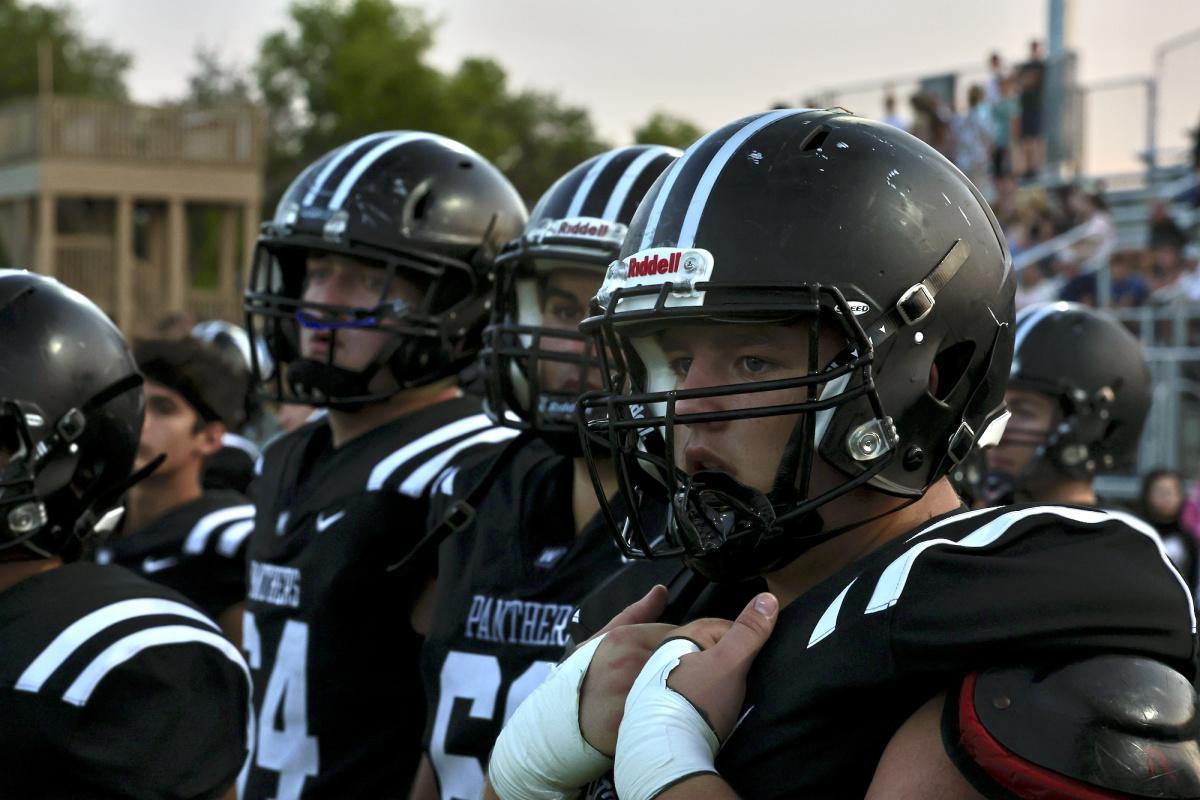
(216, 83)
(80, 66)
(343, 69)
(665, 128)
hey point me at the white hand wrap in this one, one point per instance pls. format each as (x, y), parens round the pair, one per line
(541, 753)
(663, 739)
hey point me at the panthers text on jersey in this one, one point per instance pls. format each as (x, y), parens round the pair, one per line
(507, 586)
(327, 630)
(850, 660)
(198, 549)
(112, 686)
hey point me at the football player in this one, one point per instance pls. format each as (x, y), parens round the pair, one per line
(534, 543)
(173, 531)
(232, 467)
(370, 289)
(812, 320)
(1079, 392)
(110, 685)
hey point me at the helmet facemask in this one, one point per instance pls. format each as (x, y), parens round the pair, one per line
(420, 341)
(724, 528)
(537, 364)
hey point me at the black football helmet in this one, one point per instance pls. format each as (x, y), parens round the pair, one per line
(1095, 371)
(578, 223)
(71, 407)
(829, 221)
(414, 204)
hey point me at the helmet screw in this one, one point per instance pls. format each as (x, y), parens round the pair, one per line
(914, 457)
(867, 443)
(691, 264)
(918, 337)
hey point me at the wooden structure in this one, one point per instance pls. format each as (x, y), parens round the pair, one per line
(97, 193)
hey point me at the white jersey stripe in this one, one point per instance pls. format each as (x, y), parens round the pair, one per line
(236, 442)
(620, 192)
(828, 621)
(416, 483)
(894, 577)
(589, 180)
(197, 540)
(233, 536)
(337, 160)
(129, 646)
(378, 152)
(83, 629)
(388, 466)
(691, 221)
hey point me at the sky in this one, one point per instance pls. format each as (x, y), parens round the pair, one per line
(715, 60)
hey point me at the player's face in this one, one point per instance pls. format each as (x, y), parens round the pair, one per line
(565, 300)
(1165, 498)
(337, 280)
(171, 427)
(706, 355)
(1033, 416)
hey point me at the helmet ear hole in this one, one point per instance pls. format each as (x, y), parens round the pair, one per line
(949, 367)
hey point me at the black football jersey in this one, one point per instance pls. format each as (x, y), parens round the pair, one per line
(231, 467)
(507, 586)
(853, 658)
(114, 687)
(198, 549)
(337, 688)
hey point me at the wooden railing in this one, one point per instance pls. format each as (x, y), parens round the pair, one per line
(72, 127)
(87, 264)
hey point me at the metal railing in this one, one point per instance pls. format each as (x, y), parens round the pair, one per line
(1170, 336)
(72, 127)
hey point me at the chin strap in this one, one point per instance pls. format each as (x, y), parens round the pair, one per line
(462, 512)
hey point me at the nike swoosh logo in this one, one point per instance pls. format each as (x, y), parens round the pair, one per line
(323, 523)
(159, 564)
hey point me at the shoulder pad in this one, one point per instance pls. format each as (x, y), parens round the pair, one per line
(1100, 728)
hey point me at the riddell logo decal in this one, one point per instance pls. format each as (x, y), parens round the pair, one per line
(654, 265)
(582, 229)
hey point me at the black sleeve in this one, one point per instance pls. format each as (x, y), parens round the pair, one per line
(172, 716)
(1045, 595)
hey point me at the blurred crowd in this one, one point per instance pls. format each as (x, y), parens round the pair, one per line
(998, 141)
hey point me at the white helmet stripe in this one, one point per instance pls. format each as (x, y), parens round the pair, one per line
(634, 171)
(337, 160)
(687, 233)
(377, 152)
(585, 186)
(1027, 320)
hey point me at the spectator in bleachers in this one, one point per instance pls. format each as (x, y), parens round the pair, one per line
(1100, 235)
(889, 113)
(1164, 230)
(1169, 277)
(1129, 287)
(931, 121)
(1035, 286)
(996, 76)
(1161, 504)
(972, 135)
(1031, 77)
(1005, 112)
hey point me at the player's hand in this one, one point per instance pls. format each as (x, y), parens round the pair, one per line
(714, 680)
(631, 638)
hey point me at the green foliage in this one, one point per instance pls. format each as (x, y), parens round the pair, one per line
(81, 67)
(346, 68)
(215, 83)
(668, 129)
